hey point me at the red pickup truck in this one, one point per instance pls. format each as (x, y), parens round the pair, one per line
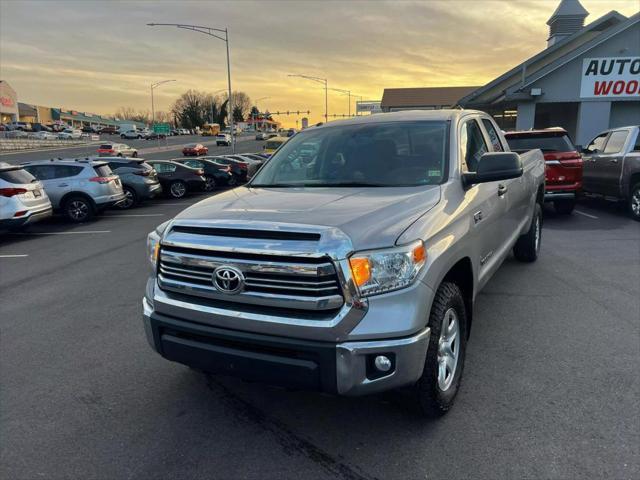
(563, 164)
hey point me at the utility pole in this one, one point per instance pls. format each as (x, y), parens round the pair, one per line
(216, 33)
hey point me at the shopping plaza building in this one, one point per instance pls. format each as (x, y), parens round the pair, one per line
(11, 110)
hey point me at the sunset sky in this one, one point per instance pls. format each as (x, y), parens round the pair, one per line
(97, 56)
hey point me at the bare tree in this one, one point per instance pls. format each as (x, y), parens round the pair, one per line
(241, 105)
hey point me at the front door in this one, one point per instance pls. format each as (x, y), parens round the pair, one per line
(592, 164)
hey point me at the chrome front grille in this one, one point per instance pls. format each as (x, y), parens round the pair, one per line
(305, 283)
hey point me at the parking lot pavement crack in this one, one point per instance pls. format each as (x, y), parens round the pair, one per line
(289, 440)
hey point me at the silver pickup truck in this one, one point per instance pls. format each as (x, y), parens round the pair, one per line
(351, 262)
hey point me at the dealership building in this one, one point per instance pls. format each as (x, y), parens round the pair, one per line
(586, 80)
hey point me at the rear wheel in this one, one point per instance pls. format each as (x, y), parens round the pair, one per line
(528, 245)
(78, 209)
(634, 202)
(210, 183)
(130, 199)
(135, 154)
(564, 207)
(435, 391)
(178, 189)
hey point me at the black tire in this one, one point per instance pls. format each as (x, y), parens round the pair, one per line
(135, 154)
(634, 202)
(528, 245)
(120, 155)
(564, 207)
(433, 396)
(177, 189)
(131, 199)
(78, 209)
(210, 184)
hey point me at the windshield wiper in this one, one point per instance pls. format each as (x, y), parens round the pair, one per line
(348, 184)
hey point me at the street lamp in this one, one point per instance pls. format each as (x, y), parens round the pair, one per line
(212, 32)
(348, 92)
(156, 85)
(326, 97)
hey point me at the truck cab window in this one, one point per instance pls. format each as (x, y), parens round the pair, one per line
(472, 145)
(493, 135)
(616, 142)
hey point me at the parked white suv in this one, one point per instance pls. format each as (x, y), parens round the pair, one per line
(22, 198)
(78, 188)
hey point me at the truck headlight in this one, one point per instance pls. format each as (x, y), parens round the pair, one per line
(153, 243)
(379, 271)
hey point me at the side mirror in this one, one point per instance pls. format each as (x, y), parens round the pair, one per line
(494, 166)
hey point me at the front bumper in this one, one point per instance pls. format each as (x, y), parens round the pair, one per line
(345, 368)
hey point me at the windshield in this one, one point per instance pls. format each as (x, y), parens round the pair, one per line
(382, 154)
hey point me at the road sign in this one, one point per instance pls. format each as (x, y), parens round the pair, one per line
(161, 128)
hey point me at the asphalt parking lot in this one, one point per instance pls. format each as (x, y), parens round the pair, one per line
(551, 386)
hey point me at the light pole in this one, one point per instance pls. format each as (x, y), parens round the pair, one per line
(153, 112)
(360, 97)
(216, 33)
(255, 127)
(326, 96)
(348, 92)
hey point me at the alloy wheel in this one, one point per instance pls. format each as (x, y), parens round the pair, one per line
(448, 349)
(210, 184)
(178, 189)
(537, 233)
(78, 210)
(635, 203)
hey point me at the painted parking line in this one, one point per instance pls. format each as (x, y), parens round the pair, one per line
(80, 232)
(135, 215)
(14, 256)
(585, 214)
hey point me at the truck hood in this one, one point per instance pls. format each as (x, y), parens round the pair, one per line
(371, 217)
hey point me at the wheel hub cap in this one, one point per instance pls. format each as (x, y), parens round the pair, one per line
(448, 349)
(78, 210)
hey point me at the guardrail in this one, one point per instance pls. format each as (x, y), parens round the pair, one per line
(8, 144)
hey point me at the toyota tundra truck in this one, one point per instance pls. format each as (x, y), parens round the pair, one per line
(355, 269)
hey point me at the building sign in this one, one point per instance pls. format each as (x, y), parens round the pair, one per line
(610, 77)
(368, 106)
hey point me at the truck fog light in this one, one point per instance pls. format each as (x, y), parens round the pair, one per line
(382, 363)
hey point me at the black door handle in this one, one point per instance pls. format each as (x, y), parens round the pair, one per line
(502, 189)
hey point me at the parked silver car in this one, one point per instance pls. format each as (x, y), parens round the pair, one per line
(78, 188)
(22, 198)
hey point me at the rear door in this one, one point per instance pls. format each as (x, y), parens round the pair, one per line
(610, 162)
(592, 164)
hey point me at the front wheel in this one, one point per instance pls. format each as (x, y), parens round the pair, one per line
(436, 390)
(528, 245)
(178, 189)
(634, 202)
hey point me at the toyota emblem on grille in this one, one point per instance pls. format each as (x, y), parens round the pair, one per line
(228, 279)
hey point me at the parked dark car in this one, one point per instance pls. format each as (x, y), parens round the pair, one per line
(253, 165)
(176, 179)
(216, 174)
(195, 150)
(108, 130)
(39, 127)
(238, 169)
(139, 179)
(563, 164)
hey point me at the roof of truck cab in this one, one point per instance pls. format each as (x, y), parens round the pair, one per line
(403, 116)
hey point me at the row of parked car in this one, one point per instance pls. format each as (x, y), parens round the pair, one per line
(85, 187)
(609, 166)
